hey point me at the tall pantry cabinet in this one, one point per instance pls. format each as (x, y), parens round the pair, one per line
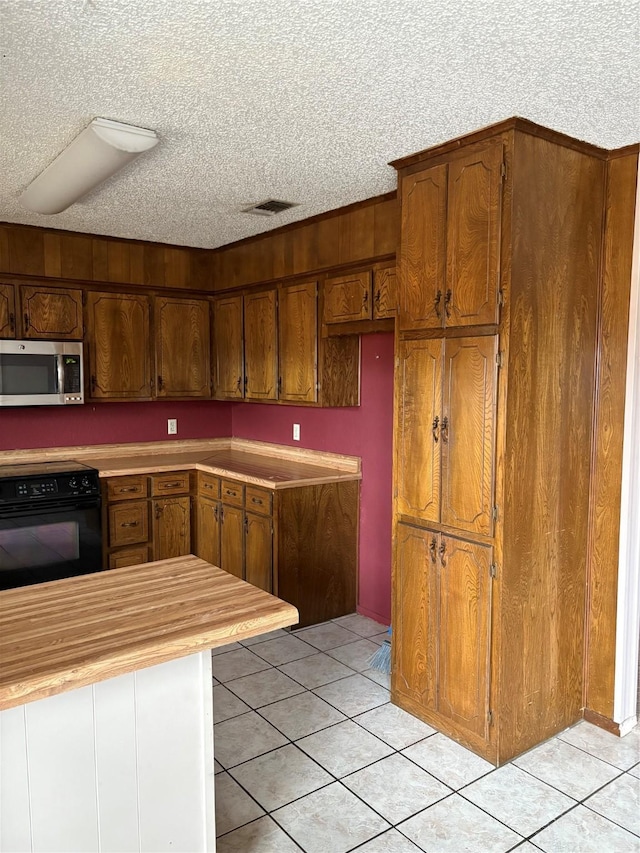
(495, 348)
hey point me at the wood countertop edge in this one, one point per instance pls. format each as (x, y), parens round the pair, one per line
(85, 453)
(148, 468)
(152, 652)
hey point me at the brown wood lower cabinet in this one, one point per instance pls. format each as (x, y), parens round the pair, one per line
(146, 518)
(442, 620)
(299, 543)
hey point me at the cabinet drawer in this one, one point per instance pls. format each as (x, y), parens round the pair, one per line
(231, 492)
(208, 485)
(126, 488)
(170, 484)
(129, 557)
(128, 523)
(258, 500)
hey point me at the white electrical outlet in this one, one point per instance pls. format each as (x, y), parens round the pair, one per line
(296, 432)
(172, 426)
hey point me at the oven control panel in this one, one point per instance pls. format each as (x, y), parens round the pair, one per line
(67, 485)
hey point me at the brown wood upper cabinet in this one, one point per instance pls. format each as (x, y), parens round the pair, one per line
(183, 349)
(298, 342)
(445, 472)
(365, 295)
(118, 344)
(228, 347)
(449, 262)
(261, 345)
(7, 311)
(48, 312)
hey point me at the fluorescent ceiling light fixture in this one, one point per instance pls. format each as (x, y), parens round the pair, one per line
(98, 152)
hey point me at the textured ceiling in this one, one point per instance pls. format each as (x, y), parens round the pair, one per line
(303, 100)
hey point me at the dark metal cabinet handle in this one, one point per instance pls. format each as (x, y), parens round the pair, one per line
(159, 511)
(443, 550)
(436, 303)
(170, 485)
(444, 431)
(215, 512)
(160, 383)
(129, 524)
(256, 501)
(365, 298)
(376, 298)
(246, 524)
(239, 385)
(447, 303)
(130, 489)
(12, 322)
(434, 428)
(208, 486)
(432, 549)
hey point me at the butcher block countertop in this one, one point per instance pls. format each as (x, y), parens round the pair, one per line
(273, 466)
(69, 633)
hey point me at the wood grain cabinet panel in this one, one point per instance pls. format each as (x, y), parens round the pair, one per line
(467, 433)
(51, 313)
(298, 342)
(232, 541)
(119, 345)
(128, 557)
(171, 527)
(347, 298)
(171, 483)
(208, 530)
(228, 348)
(385, 293)
(126, 488)
(258, 550)
(473, 237)
(463, 633)
(422, 262)
(128, 523)
(418, 465)
(7, 311)
(261, 345)
(183, 347)
(414, 616)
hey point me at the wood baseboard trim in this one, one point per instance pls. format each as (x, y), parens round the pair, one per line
(602, 722)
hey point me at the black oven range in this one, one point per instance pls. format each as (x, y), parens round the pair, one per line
(49, 522)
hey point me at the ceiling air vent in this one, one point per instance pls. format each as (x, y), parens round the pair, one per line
(270, 207)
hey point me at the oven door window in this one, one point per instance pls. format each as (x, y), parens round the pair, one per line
(48, 544)
(28, 374)
(40, 545)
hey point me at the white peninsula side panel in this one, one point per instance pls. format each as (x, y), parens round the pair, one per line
(124, 764)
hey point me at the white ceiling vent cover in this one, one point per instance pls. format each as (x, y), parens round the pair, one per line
(270, 207)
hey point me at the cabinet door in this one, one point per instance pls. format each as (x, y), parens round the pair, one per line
(7, 311)
(385, 293)
(347, 298)
(129, 557)
(414, 617)
(232, 541)
(261, 346)
(51, 313)
(183, 347)
(464, 633)
(298, 343)
(119, 345)
(259, 551)
(419, 390)
(467, 433)
(228, 344)
(423, 251)
(473, 237)
(171, 527)
(208, 530)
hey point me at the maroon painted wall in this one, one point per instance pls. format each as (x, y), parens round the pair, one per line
(365, 431)
(109, 423)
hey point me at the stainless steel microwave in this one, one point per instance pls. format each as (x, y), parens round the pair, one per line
(41, 373)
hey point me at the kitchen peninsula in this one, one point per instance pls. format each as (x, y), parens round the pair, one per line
(106, 717)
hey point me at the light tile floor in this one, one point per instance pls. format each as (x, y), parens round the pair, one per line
(311, 755)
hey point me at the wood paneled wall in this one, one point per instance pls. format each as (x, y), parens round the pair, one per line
(360, 232)
(606, 474)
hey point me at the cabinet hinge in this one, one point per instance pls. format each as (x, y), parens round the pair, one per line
(490, 717)
(503, 171)
(494, 513)
(493, 570)
(499, 359)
